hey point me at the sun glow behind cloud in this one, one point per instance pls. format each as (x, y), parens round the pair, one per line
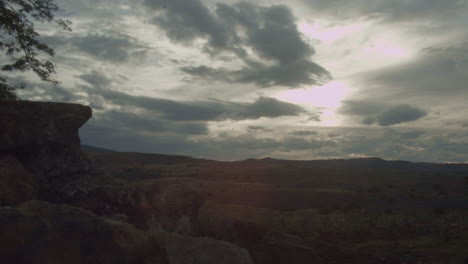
(327, 97)
(350, 47)
(329, 34)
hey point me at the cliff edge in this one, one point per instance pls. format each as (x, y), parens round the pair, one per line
(44, 136)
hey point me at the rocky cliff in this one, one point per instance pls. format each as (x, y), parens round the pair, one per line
(54, 208)
(44, 137)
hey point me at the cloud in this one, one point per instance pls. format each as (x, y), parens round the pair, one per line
(102, 9)
(193, 50)
(205, 110)
(412, 134)
(126, 139)
(265, 39)
(223, 147)
(395, 143)
(185, 21)
(389, 10)
(108, 45)
(384, 115)
(426, 74)
(291, 75)
(146, 123)
(435, 79)
(256, 128)
(302, 133)
(399, 114)
(432, 146)
(208, 110)
(95, 78)
(250, 146)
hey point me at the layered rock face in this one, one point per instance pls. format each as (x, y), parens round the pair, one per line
(44, 136)
(18, 185)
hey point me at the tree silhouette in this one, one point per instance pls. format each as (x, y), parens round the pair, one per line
(19, 40)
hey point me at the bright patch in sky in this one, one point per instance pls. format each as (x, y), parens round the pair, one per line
(329, 95)
(328, 34)
(386, 48)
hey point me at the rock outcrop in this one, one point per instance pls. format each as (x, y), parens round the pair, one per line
(44, 137)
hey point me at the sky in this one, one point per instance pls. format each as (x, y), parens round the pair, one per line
(297, 79)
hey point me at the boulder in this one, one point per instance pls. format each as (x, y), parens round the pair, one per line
(18, 185)
(138, 246)
(38, 232)
(44, 136)
(193, 250)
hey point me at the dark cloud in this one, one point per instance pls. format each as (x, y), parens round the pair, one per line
(293, 75)
(206, 110)
(376, 113)
(185, 21)
(399, 114)
(209, 110)
(301, 133)
(412, 134)
(247, 31)
(255, 127)
(267, 107)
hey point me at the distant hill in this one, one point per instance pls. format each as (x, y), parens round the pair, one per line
(88, 148)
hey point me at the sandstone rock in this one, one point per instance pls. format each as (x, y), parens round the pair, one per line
(44, 136)
(102, 195)
(191, 250)
(138, 246)
(17, 184)
(40, 232)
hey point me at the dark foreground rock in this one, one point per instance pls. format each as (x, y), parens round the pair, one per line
(191, 250)
(18, 185)
(40, 232)
(44, 136)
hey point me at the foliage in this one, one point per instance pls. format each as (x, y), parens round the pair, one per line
(7, 92)
(19, 39)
